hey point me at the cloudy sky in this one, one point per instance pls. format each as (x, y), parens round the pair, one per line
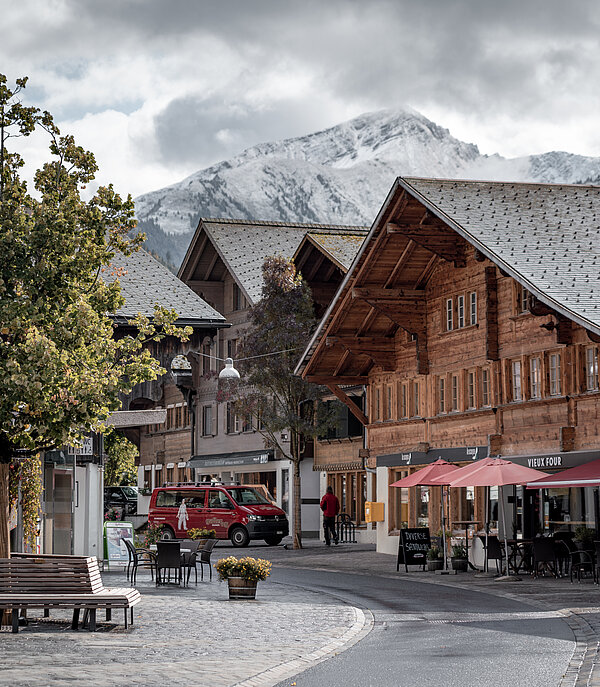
(158, 89)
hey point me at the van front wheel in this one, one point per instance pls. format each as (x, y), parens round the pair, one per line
(239, 536)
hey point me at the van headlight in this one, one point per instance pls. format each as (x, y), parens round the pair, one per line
(255, 517)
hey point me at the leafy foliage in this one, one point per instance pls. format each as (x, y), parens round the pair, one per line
(201, 533)
(119, 468)
(248, 568)
(27, 473)
(153, 534)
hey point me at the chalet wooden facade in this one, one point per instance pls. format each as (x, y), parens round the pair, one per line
(472, 314)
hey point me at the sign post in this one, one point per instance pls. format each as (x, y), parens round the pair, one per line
(115, 550)
(413, 547)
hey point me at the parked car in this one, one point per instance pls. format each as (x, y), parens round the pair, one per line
(122, 499)
(236, 512)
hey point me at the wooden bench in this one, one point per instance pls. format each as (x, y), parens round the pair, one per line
(54, 581)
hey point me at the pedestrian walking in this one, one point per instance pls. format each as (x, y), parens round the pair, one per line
(330, 507)
(182, 516)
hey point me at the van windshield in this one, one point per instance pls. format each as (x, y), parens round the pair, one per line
(246, 496)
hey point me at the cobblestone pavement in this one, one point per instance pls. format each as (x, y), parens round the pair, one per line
(186, 636)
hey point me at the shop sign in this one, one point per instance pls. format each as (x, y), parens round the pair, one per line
(555, 461)
(86, 448)
(460, 453)
(225, 459)
(413, 547)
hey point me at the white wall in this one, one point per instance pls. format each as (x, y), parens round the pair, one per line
(385, 543)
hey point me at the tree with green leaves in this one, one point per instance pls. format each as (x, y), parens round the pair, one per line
(61, 367)
(269, 393)
(119, 466)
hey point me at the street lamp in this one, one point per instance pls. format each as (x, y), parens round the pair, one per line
(229, 371)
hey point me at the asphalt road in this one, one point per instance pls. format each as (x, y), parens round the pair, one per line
(425, 635)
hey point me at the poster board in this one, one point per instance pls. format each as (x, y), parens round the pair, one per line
(115, 550)
(413, 545)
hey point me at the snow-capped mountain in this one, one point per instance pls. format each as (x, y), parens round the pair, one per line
(340, 175)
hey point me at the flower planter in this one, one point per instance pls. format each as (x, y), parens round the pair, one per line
(436, 564)
(459, 564)
(241, 588)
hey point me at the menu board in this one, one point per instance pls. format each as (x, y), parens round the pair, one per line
(413, 547)
(115, 550)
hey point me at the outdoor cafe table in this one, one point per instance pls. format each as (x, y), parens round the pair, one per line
(466, 524)
(520, 554)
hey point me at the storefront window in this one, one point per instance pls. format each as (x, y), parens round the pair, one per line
(351, 490)
(423, 506)
(567, 509)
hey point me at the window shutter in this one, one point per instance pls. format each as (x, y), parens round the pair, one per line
(215, 426)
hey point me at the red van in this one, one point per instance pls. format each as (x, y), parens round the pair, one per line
(236, 512)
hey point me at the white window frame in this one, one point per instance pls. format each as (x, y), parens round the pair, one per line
(516, 380)
(485, 388)
(460, 312)
(554, 374)
(473, 308)
(591, 368)
(449, 315)
(535, 376)
(442, 394)
(454, 397)
(207, 423)
(471, 391)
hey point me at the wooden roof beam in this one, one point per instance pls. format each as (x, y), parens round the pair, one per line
(344, 398)
(310, 275)
(436, 238)
(327, 380)
(211, 265)
(380, 350)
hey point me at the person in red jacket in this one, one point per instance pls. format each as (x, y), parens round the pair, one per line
(330, 507)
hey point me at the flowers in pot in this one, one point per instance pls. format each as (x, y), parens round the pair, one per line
(152, 535)
(459, 558)
(201, 533)
(242, 575)
(434, 559)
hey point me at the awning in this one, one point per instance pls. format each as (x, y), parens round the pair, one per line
(223, 459)
(585, 475)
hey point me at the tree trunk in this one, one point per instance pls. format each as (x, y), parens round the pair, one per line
(297, 507)
(4, 512)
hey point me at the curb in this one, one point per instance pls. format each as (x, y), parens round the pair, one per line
(361, 626)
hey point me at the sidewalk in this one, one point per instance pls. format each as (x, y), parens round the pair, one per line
(194, 635)
(185, 636)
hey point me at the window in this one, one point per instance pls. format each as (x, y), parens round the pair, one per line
(247, 424)
(398, 501)
(442, 395)
(485, 387)
(351, 490)
(591, 368)
(377, 412)
(555, 374)
(517, 392)
(460, 307)
(535, 377)
(454, 392)
(239, 301)
(206, 359)
(404, 401)
(473, 307)
(415, 398)
(523, 300)
(207, 421)
(449, 315)
(471, 390)
(388, 402)
(233, 420)
(231, 348)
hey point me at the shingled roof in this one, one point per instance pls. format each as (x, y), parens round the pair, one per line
(546, 236)
(342, 245)
(146, 282)
(244, 244)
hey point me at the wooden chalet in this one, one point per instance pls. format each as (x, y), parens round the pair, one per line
(472, 315)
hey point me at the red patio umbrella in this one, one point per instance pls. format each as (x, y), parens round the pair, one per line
(586, 475)
(426, 477)
(497, 472)
(464, 471)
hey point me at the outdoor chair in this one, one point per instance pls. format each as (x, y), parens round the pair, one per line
(564, 546)
(168, 558)
(544, 556)
(139, 558)
(495, 552)
(597, 562)
(204, 557)
(188, 558)
(581, 562)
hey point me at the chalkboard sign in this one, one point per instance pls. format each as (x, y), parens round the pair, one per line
(413, 547)
(115, 550)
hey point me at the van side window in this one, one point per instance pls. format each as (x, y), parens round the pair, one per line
(217, 499)
(165, 499)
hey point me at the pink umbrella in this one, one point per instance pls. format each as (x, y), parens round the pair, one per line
(427, 477)
(464, 471)
(496, 472)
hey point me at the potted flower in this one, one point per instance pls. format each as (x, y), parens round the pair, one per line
(585, 536)
(434, 559)
(459, 558)
(152, 535)
(201, 535)
(242, 575)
